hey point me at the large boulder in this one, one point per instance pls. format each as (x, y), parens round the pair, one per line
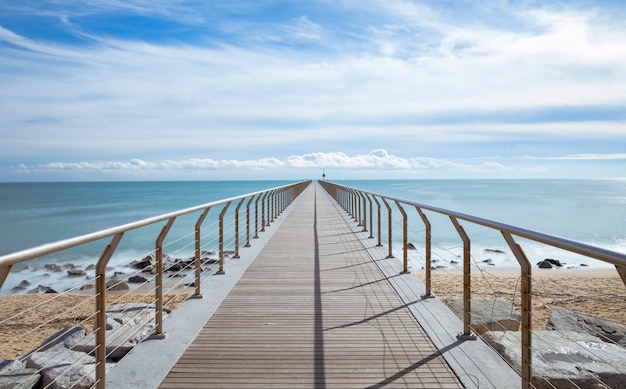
(63, 369)
(15, 375)
(488, 315)
(563, 359)
(563, 319)
(126, 326)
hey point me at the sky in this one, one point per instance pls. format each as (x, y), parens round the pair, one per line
(104, 90)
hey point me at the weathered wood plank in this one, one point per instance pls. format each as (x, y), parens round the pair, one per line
(313, 310)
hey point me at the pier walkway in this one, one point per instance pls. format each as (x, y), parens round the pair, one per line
(320, 307)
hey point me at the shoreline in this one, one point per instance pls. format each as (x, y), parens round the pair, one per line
(594, 292)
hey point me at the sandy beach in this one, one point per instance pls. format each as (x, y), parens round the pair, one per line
(595, 292)
(26, 320)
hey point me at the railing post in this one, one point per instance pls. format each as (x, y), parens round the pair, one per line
(371, 216)
(359, 218)
(101, 288)
(274, 199)
(467, 288)
(198, 260)
(256, 217)
(158, 313)
(380, 243)
(526, 330)
(221, 239)
(364, 218)
(389, 228)
(427, 266)
(263, 211)
(237, 228)
(405, 240)
(248, 221)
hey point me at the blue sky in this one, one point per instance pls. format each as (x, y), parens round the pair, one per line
(150, 90)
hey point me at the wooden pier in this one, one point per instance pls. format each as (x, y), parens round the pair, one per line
(313, 310)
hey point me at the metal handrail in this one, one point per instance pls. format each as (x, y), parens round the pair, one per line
(347, 195)
(289, 192)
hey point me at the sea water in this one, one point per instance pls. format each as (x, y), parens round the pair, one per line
(590, 211)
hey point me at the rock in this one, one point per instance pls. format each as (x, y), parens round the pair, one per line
(76, 273)
(87, 287)
(19, 379)
(411, 246)
(67, 338)
(137, 280)
(563, 319)
(10, 364)
(53, 267)
(495, 251)
(50, 290)
(114, 285)
(69, 266)
(548, 261)
(90, 267)
(564, 359)
(21, 287)
(488, 315)
(147, 261)
(544, 265)
(25, 283)
(62, 368)
(39, 289)
(126, 325)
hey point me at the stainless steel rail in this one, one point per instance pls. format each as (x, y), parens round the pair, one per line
(277, 199)
(348, 197)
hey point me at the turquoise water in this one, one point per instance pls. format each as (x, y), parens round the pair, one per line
(592, 211)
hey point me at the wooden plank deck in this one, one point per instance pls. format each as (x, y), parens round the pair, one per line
(313, 310)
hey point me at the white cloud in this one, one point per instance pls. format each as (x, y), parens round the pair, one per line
(403, 76)
(377, 160)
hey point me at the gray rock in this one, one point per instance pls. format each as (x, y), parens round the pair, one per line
(127, 325)
(76, 273)
(119, 341)
(488, 315)
(563, 319)
(53, 267)
(7, 365)
(62, 368)
(562, 359)
(114, 285)
(39, 289)
(67, 338)
(137, 280)
(19, 379)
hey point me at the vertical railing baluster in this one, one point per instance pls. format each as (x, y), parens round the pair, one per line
(371, 216)
(405, 240)
(467, 280)
(159, 279)
(389, 228)
(198, 259)
(248, 221)
(256, 217)
(263, 211)
(427, 266)
(364, 218)
(221, 239)
(526, 330)
(101, 288)
(236, 256)
(378, 220)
